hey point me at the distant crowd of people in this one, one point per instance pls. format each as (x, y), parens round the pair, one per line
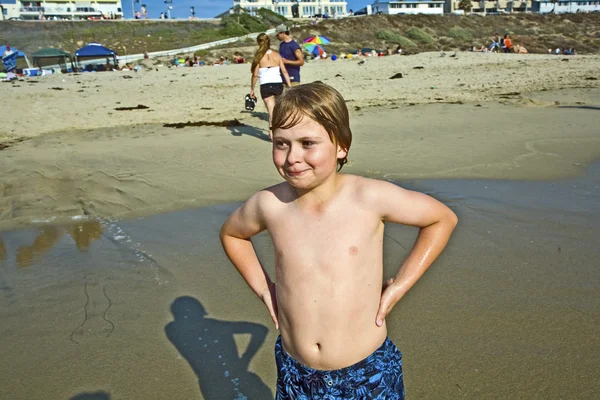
(500, 44)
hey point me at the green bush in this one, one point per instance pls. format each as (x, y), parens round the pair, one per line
(270, 18)
(252, 24)
(231, 28)
(395, 38)
(460, 33)
(201, 53)
(386, 35)
(241, 24)
(419, 35)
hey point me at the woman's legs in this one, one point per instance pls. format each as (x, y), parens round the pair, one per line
(270, 103)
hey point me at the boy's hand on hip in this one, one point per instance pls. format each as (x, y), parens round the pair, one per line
(269, 297)
(389, 298)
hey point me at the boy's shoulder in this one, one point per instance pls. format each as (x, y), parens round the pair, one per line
(281, 192)
(367, 188)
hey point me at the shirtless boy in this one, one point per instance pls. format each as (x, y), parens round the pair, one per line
(329, 300)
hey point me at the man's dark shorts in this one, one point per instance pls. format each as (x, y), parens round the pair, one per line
(377, 377)
(271, 89)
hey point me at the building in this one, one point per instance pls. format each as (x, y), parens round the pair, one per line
(491, 6)
(407, 7)
(8, 9)
(296, 9)
(565, 6)
(69, 9)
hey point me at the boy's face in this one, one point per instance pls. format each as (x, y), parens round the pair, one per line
(304, 155)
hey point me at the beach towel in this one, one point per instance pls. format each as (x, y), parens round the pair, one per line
(10, 61)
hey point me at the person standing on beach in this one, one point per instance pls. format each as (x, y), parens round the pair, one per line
(291, 53)
(268, 68)
(329, 300)
(507, 43)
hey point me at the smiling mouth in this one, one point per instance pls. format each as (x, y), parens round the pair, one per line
(294, 173)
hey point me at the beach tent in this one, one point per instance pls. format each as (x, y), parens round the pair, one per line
(51, 56)
(95, 50)
(20, 54)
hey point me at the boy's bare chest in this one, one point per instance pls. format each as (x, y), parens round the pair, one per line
(328, 236)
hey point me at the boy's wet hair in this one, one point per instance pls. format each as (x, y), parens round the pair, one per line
(321, 103)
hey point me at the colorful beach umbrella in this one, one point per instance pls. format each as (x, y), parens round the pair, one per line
(317, 40)
(314, 48)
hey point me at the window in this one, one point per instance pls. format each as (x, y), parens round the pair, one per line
(308, 11)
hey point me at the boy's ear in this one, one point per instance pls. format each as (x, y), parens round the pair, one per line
(341, 153)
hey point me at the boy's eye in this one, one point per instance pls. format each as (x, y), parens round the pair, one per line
(280, 145)
(308, 143)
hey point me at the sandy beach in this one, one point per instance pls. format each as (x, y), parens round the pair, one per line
(113, 284)
(81, 156)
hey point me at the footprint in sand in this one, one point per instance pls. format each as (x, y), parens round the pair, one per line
(95, 324)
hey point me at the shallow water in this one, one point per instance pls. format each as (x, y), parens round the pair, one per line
(152, 309)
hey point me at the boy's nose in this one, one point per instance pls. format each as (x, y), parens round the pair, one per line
(294, 155)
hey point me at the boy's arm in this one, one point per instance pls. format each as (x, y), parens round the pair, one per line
(436, 222)
(235, 235)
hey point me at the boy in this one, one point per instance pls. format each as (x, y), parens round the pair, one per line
(327, 230)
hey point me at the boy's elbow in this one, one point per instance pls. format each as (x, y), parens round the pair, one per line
(223, 233)
(452, 219)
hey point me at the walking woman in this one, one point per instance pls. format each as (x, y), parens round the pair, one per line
(268, 68)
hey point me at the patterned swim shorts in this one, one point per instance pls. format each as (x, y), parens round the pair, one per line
(377, 377)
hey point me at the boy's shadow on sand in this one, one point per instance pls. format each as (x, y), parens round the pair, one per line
(209, 347)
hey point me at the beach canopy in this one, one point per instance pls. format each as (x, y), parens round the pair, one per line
(50, 52)
(50, 56)
(94, 50)
(19, 54)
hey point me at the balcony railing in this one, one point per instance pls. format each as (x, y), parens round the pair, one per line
(58, 10)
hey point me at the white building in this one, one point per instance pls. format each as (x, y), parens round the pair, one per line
(565, 6)
(9, 10)
(296, 9)
(483, 7)
(408, 7)
(70, 9)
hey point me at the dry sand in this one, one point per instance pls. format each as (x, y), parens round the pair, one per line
(88, 311)
(82, 156)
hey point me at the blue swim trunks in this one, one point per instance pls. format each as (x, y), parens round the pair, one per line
(377, 377)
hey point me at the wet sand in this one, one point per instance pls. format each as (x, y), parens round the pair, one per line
(146, 169)
(151, 308)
